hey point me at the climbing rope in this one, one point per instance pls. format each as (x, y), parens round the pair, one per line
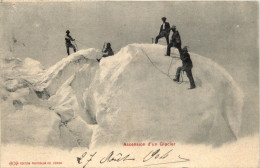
(155, 65)
(170, 67)
(167, 74)
(76, 45)
(84, 44)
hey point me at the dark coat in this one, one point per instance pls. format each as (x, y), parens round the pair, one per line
(186, 61)
(167, 27)
(108, 52)
(176, 38)
(68, 39)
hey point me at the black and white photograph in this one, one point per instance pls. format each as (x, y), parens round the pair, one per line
(129, 84)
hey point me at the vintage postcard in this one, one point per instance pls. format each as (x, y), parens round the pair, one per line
(129, 84)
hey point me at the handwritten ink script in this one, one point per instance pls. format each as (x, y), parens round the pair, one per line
(161, 158)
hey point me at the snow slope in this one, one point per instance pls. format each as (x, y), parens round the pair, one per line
(134, 101)
(56, 75)
(126, 97)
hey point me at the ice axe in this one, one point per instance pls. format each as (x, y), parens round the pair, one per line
(76, 44)
(104, 45)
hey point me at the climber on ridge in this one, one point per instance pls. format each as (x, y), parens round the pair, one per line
(175, 41)
(107, 51)
(68, 43)
(164, 31)
(186, 66)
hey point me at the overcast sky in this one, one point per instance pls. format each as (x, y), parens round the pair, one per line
(226, 32)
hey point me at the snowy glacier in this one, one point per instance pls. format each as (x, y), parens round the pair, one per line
(126, 97)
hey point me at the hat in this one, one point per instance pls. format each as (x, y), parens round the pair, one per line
(108, 45)
(185, 48)
(67, 31)
(164, 18)
(173, 26)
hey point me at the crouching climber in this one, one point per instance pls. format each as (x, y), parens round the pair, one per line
(186, 66)
(107, 51)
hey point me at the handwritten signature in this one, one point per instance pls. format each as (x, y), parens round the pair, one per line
(113, 156)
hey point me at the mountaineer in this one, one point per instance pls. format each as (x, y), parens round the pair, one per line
(186, 66)
(175, 41)
(107, 51)
(68, 43)
(164, 31)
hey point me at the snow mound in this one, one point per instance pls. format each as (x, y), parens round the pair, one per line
(15, 67)
(56, 75)
(135, 100)
(31, 67)
(19, 75)
(128, 97)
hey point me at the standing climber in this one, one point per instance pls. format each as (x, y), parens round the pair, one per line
(164, 31)
(68, 43)
(107, 51)
(175, 41)
(186, 66)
